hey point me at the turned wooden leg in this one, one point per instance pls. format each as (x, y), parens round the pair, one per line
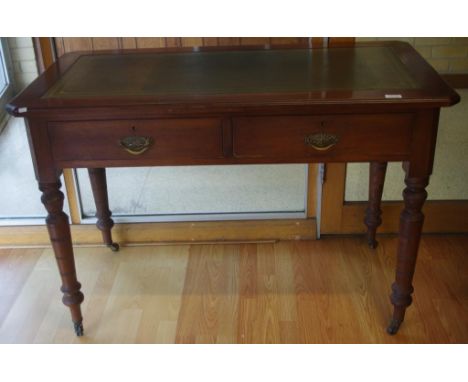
(60, 237)
(373, 213)
(97, 177)
(411, 222)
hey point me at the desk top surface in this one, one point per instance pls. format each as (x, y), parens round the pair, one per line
(233, 72)
(377, 73)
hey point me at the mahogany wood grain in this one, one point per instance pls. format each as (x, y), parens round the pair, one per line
(418, 170)
(360, 137)
(187, 139)
(60, 237)
(433, 92)
(341, 41)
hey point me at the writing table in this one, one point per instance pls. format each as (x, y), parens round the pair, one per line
(374, 102)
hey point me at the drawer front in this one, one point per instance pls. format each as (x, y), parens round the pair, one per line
(159, 140)
(342, 137)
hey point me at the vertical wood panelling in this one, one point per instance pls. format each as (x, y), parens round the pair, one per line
(72, 44)
(255, 40)
(316, 42)
(172, 42)
(289, 40)
(228, 41)
(191, 41)
(128, 42)
(105, 43)
(341, 41)
(59, 46)
(210, 41)
(150, 42)
(69, 44)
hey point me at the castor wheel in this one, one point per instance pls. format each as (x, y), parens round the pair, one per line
(393, 327)
(78, 328)
(114, 247)
(372, 244)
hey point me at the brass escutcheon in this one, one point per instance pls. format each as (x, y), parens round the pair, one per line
(321, 141)
(136, 145)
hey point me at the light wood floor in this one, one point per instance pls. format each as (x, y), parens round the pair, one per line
(334, 290)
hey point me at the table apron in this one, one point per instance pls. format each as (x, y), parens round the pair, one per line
(236, 140)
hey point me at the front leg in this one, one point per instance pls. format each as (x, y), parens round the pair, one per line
(411, 222)
(60, 237)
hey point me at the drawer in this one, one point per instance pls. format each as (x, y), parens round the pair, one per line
(160, 140)
(342, 137)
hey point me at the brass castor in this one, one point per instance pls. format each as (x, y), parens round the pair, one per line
(372, 244)
(114, 247)
(393, 327)
(78, 328)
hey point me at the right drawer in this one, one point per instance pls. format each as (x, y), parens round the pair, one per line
(361, 137)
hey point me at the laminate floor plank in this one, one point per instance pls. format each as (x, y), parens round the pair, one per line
(335, 290)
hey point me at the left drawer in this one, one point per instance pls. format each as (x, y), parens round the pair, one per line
(155, 139)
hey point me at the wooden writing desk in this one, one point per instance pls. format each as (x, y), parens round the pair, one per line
(369, 103)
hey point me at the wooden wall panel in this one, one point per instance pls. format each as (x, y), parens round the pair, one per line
(192, 41)
(128, 42)
(228, 41)
(210, 41)
(71, 44)
(341, 41)
(317, 42)
(255, 40)
(106, 43)
(172, 42)
(150, 42)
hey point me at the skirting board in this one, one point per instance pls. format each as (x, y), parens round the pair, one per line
(440, 217)
(185, 232)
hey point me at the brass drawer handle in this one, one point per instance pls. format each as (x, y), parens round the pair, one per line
(321, 141)
(136, 145)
